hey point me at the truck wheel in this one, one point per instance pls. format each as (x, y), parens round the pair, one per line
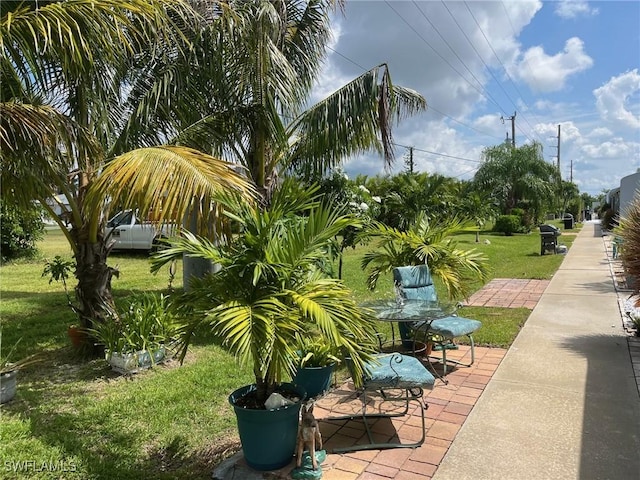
(159, 243)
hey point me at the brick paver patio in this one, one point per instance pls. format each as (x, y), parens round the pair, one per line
(509, 292)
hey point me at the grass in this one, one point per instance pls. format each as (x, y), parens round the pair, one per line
(169, 422)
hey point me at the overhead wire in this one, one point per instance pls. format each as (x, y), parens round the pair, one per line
(479, 90)
(504, 68)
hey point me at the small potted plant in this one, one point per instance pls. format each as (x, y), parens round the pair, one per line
(9, 370)
(137, 338)
(316, 359)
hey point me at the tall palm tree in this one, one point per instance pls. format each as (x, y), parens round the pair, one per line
(250, 78)
(511, 175)
(65, 70)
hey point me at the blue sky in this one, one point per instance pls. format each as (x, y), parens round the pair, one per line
(570, 63)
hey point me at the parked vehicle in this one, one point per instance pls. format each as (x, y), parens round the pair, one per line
(130, 232)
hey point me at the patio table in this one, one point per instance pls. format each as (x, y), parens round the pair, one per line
(410, 313)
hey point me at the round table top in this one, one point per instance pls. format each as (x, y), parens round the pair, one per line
(409, 310)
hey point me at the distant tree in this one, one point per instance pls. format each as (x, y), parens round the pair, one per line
(511, 175)
(569, 193)
(479, 208)
(19, 230)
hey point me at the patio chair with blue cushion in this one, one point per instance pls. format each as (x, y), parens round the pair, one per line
(395, 379)
(416, 283)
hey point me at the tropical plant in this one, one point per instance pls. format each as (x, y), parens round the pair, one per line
(146, 322)
(270, 289)
(315, 351)
(478, 208)
(426, 242)
(75, 96)
(630, 232)
(258, 61)
(511, 175)
(8, 362)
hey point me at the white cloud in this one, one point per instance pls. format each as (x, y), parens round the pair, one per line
(614, 149)
(574, 8)
(549, 73)
(611, 99)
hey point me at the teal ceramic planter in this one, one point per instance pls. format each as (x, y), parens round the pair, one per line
(268, 437)
(315, 380)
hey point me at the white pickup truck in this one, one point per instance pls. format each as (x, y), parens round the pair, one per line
(132, 233)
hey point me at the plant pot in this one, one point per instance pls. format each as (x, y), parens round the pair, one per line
(77, 335)
(127, 363)
(268, 437)
(315, 380)
(8, 384)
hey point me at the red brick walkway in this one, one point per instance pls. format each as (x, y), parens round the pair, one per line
(449, 405)
(509, 292)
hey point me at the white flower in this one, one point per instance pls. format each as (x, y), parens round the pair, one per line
(353, 204)
(376, 199)
(363, 188)
(364, 207)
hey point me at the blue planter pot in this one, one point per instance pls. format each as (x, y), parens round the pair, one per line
(268, 437)
(315, 380)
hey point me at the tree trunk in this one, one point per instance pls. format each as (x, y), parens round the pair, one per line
(93, 291)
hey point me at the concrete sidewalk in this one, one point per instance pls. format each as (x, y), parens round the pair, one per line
(564, 402)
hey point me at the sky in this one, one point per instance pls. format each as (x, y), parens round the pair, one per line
(573, 64)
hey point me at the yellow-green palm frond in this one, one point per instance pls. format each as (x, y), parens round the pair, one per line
(168, 181)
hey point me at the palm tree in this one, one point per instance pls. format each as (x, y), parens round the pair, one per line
(511, 175)
(65, 66)
(246, 88)
(256, 63)
(430, 243)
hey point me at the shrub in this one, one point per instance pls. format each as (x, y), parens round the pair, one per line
(507, 224)
(19, 231)
(609, 220)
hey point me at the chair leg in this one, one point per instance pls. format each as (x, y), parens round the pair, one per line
(457, 362)
(409, 395)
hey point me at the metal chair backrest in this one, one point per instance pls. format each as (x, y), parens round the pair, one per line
(414, 283)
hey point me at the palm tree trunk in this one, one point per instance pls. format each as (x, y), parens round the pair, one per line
(93, 291)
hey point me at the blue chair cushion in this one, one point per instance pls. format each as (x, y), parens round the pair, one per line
(414, 283)
(397, 371)
(453, 326)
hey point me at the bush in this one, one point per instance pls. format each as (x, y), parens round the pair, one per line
(508, 224)
(609, 219)
(19, 231)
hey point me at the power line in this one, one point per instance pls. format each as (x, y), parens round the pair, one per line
(436, 153)
(442, 57)
(502, 65)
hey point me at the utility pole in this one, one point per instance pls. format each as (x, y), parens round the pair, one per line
(409, 161)
(559, 151)
(513, 128)
(571, 172)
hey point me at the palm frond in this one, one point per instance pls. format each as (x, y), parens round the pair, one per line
(168, 181)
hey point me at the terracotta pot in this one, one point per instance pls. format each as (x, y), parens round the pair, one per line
(77, 335)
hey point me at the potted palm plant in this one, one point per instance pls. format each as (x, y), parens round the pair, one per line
(269, 289)
(315, 362)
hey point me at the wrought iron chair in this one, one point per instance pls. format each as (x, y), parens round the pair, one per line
(415, 283)
(394, 378)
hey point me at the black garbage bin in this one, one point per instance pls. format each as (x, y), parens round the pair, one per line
(549, 238)
(568, 221)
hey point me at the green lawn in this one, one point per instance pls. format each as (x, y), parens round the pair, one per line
(171, 422)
